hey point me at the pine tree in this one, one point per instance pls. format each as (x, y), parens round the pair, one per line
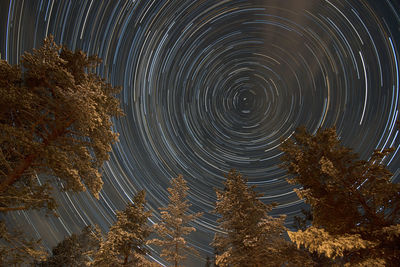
(174, 224)
(248, 236)
(55, 119)
(75, 250)
(302, 223)
(55, 128)
(126, 240)
(355, 207)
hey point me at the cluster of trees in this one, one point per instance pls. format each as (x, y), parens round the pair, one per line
(55, 122)
(126, 243)
(247, 236)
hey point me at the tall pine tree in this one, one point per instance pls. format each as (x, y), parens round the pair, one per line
(55, 121)
(174, 224)
(125, 244)
(355, 206)
(247, 235)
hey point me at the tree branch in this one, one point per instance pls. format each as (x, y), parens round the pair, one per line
(6, 209)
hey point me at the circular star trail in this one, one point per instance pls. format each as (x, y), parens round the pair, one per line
(214, 85)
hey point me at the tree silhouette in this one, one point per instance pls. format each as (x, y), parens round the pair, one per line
(75, 250)
(302, 223)
(247, 235)
(55, 119)
(55, 128)
(173, 226)
(125, 244)
(355, 206)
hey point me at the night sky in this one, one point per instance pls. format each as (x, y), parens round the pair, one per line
(214, 85)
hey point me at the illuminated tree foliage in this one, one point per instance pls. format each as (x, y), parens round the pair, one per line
(125, 244)
(302, 223)
(55, 121)
(247, 235)
(355, 207)
(75, 250)
(173, 226)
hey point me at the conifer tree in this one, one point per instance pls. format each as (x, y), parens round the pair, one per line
(248, 236)
(75, 250)
(55, 128)
(125, 244)
(174, 224)
(355, 206)
(55, 119)
(302, 223)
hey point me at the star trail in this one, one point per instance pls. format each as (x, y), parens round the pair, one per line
(212, 85)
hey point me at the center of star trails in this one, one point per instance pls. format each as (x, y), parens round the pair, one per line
(247, 101)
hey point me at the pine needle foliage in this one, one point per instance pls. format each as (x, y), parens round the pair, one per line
(55, 119)
(125, 244)
(75, 250)
(302, 223)
(55, 123)
(355, 206)
(248, 236)
(174, 224)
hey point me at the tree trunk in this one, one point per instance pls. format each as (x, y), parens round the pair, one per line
(18, 171)
(28, 160)
(126, 260)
